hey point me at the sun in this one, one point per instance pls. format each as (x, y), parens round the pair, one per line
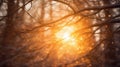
(68, 44)
(65, 35)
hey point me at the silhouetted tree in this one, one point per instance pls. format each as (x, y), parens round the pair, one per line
(28, 27)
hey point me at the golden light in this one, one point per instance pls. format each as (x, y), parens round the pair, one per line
(65, 35)
(59, 40)
(69, 47)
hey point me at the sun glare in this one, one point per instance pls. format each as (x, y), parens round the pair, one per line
(69, 44)
(65, 35)
(69, 48)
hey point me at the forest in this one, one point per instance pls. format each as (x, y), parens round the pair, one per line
(59, 33)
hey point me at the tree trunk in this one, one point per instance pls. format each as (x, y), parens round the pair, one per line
(110, 54)
(7, 45)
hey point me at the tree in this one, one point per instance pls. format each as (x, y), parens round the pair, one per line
(32, 33)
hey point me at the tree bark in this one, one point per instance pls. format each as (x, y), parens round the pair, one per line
(110, 54)
(9, 34)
